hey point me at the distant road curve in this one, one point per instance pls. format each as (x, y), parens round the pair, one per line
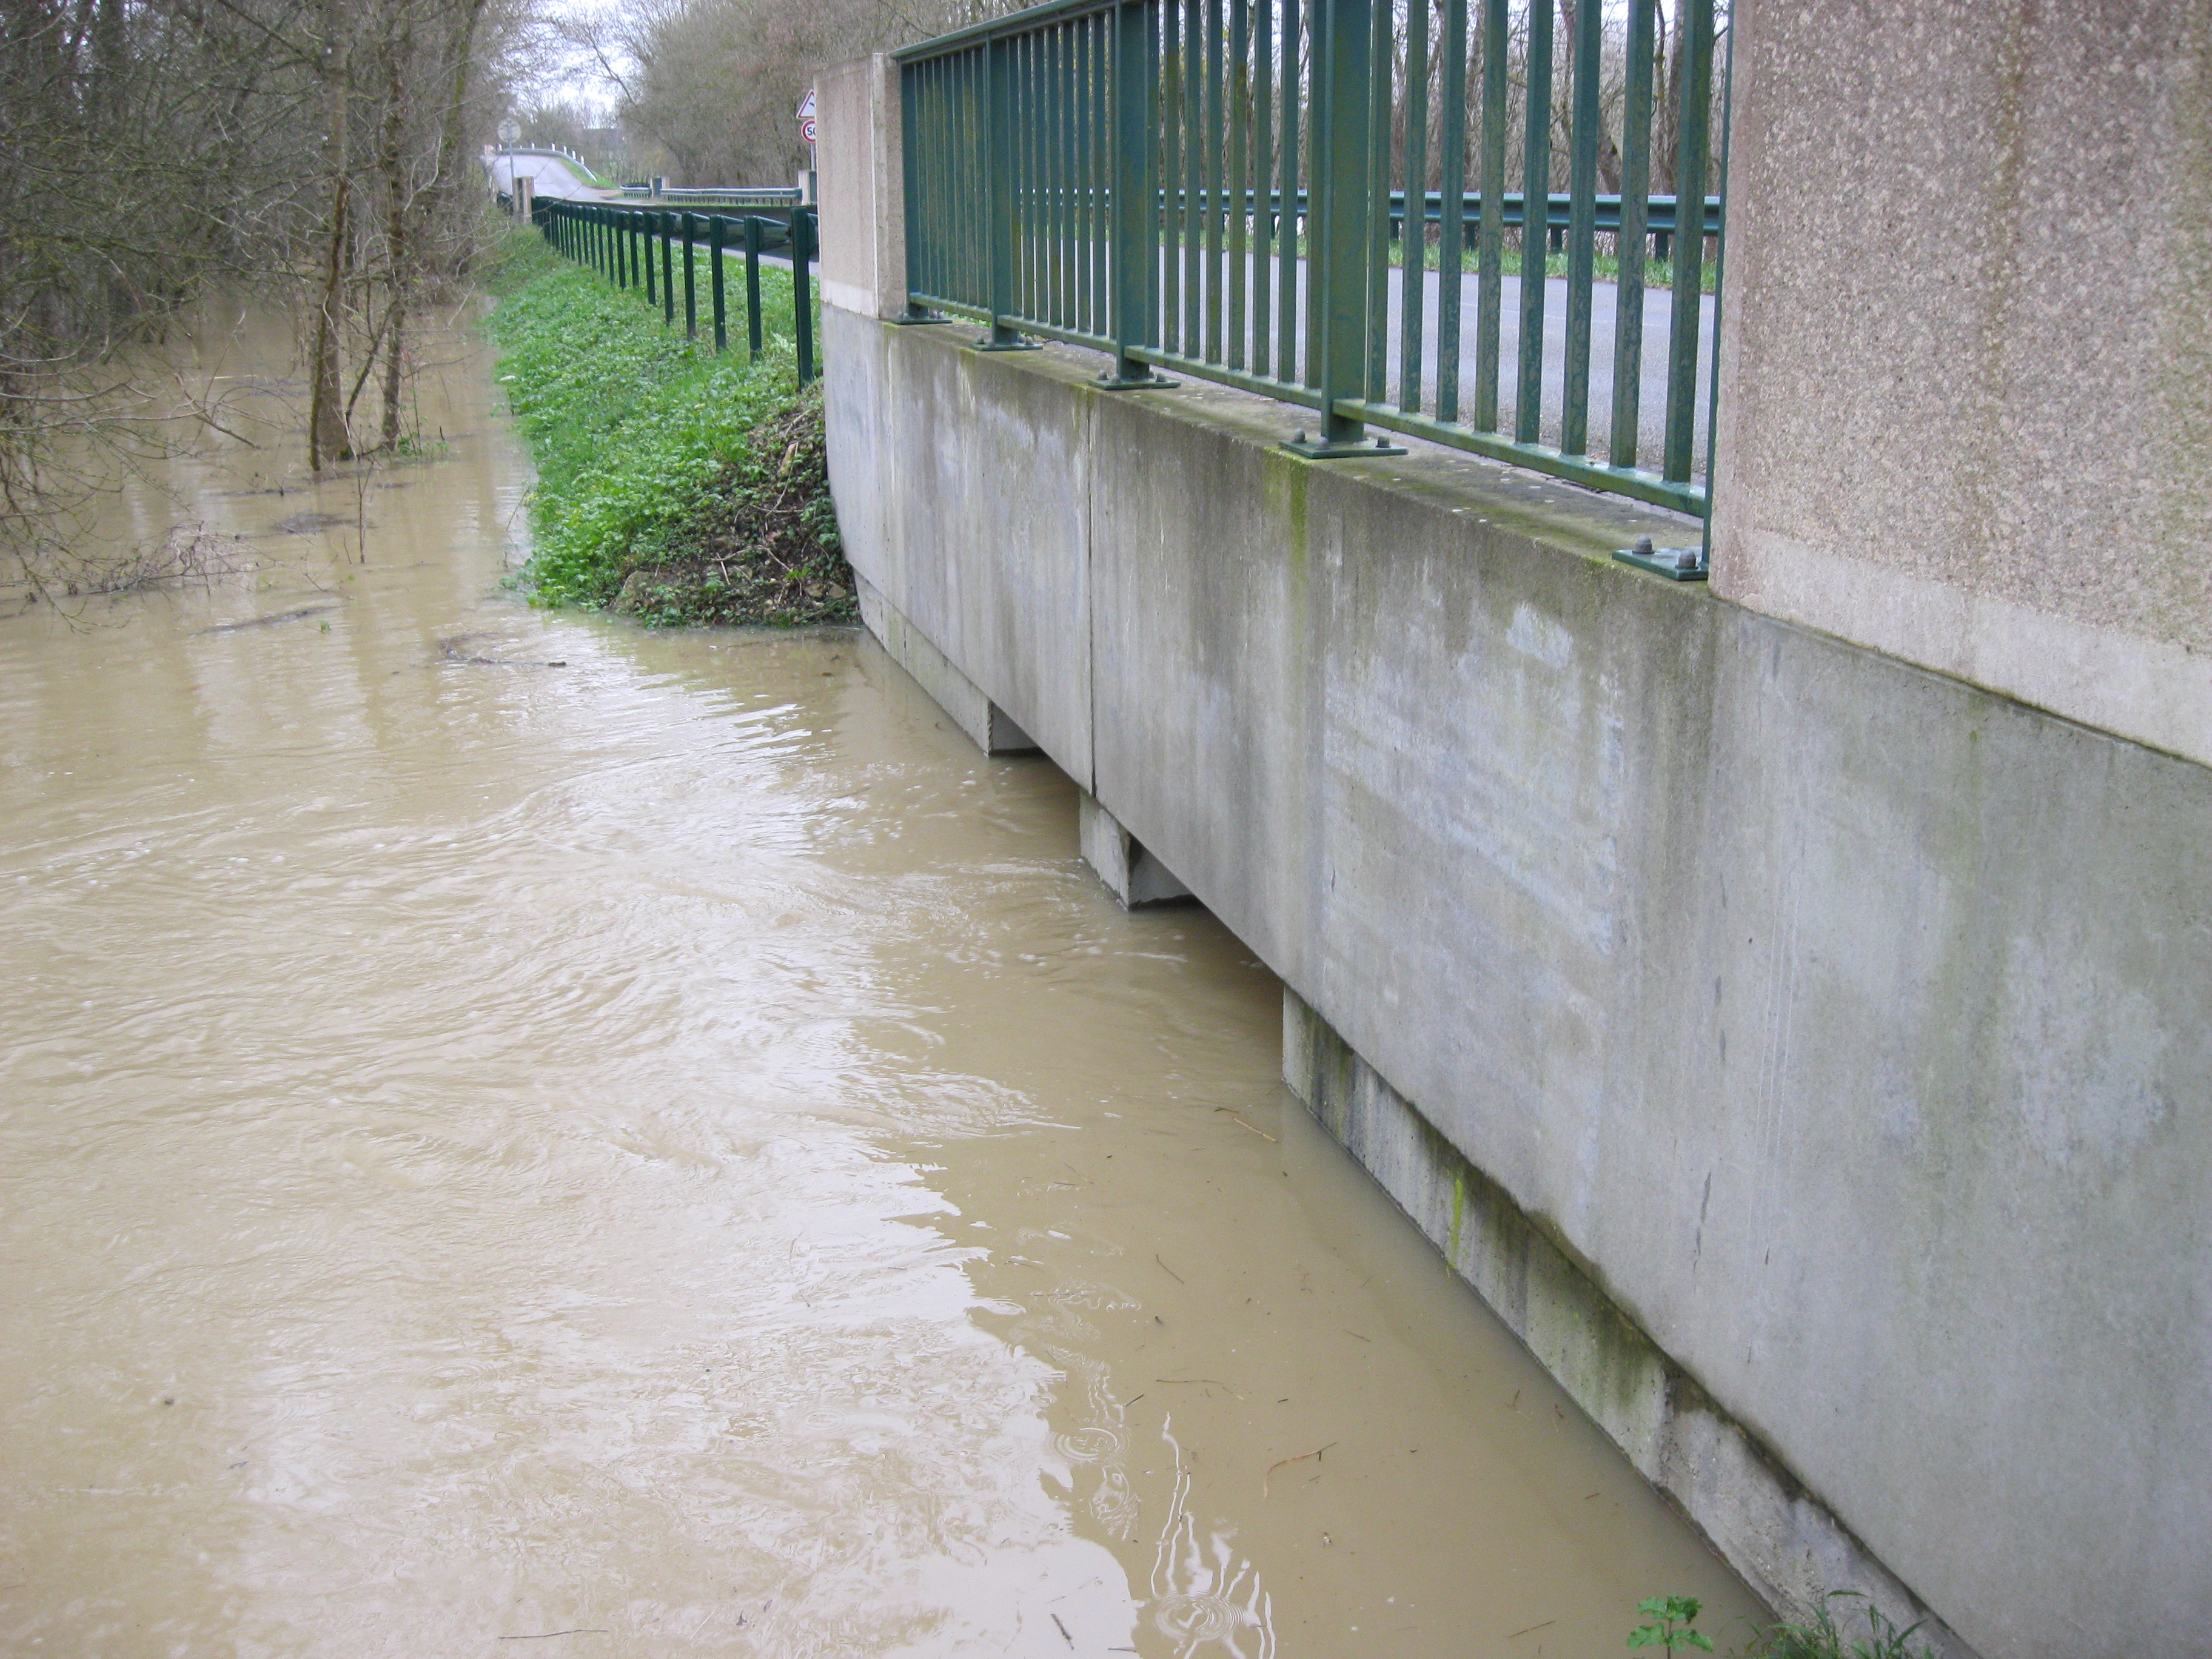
(550, 174)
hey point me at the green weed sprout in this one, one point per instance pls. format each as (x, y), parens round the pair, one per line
(1672, 1617)
(1824, 1639)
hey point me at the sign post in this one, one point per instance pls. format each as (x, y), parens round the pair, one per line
(806, 138)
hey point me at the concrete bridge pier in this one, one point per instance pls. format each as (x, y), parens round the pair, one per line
(1125, 863)
(992, 729)
(1130, 871)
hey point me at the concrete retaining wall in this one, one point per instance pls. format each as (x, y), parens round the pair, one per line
(1834, 1029)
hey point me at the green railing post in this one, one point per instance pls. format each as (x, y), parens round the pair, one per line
(1135, 248)
(715, 223)
(752, 285)
(1689, 239)
(667, 228)
(1536, 201)
(998, 173)
(691, 286)
(1586, 49)
(1635, 211)
(645, 251)
(1345, 133)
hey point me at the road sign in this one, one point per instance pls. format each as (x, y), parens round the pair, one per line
(806, 118)
(806, 130)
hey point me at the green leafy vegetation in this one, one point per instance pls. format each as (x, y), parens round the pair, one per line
(673, 485)
(1672, 1621)
(1672, 1618)
(1823, 1638)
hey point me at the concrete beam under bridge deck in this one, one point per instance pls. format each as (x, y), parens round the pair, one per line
(1804, 1051)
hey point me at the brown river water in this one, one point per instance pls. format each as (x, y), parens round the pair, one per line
(522, 1135)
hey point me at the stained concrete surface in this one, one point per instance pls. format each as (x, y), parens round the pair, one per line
(1841, 1021)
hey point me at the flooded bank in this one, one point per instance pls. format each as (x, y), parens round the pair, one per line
(520, 1134)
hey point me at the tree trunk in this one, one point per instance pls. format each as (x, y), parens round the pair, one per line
(399, 276)
(1667, 117)
(326, 429)
(451, 136)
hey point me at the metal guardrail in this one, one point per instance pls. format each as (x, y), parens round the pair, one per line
(624, 244)
(765, 196)
(1090, 171)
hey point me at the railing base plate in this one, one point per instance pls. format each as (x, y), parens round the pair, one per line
(1320, 449)
(1109, 382)
(1661, 561)
(987, 344)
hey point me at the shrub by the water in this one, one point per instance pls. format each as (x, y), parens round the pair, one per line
(673, 485)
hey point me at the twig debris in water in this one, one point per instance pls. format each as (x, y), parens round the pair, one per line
(1193, 1382)
(540, 1636)
(1266, 1479)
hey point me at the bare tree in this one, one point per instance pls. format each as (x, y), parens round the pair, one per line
(149, 149)
(714, 83)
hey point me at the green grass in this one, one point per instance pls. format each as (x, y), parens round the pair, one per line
(672, 484)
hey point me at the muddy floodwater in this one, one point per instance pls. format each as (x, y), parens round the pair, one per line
(524, 1136)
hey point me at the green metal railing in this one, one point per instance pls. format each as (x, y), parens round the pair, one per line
(1224, 188)
(624, 244)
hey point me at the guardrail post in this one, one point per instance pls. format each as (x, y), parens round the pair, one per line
(802, 291)
(999, 193)
(1135, 247)
(1345, 132)
(715, 223)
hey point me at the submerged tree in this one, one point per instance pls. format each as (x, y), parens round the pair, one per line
(152, 149)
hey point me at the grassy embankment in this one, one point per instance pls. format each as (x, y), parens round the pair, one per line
(673, 485)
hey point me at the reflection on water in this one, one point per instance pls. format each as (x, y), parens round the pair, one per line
(1206, 1594)
(518, 1130)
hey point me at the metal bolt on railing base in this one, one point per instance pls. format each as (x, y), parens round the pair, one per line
(1320, 449)
(1112, 381)
(1677, 564)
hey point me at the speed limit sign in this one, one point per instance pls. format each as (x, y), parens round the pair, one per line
(806, 119)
